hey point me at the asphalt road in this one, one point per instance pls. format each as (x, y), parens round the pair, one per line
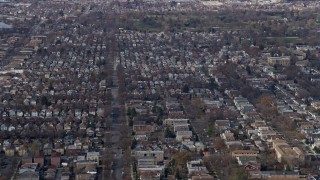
(117, 165)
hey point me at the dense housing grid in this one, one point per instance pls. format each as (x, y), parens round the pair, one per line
(168, 89)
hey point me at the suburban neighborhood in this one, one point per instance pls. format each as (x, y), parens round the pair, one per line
(159, 90)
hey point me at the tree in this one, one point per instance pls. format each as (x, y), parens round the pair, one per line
(239, 174)
(210, 131)
(196, 108)
(185, 88)
(201, 153)
(157, 110)
(134, 143)
(248, 69)
(307, 141)
(218, 143)
(109, 96)
(50, 87)
(266, 106)
(181, 158)
(266, 101)
(249, 92)
(287, 168)
(317, 150)
(168, 133)
(44, 101)
(131, 112)
(61, 13)
(212, 84)
(177, 174)
(35, 146)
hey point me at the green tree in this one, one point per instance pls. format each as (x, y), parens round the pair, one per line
(131, 112)
(210, 131)
(157, 110)
(287, 168)
(168, 133)
(307, 141)
(201, 153)
(317, 150)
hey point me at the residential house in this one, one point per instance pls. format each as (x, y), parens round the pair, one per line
(222, 125)
(28, 171)
(283, 60)
(27, 158)
(243, 105)
(246, 153)
(183, 135)
(145, 162)
(90, 132)
(287, 153)
(9, 151)
(93, 156)
(196, 168)
(142, 128)
(55, 159)
(59, 147)
(246, 157)
(172, 122)
(265, 132)
(202, 177)
(151, 173)
(39, 158)
(290, 175)
(47, 148)
(148, 151)
(85, 170)
(181, 127)
(189, 145)
(23, 149)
